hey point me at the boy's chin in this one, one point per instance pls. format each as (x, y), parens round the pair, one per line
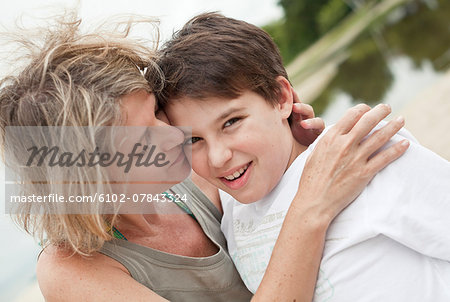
(246, 198)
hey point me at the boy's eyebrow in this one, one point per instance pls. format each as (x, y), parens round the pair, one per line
(228, 113)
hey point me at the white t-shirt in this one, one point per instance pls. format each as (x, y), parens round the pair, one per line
(391, 244)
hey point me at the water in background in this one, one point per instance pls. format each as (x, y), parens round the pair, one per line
(393, 61)
(18, 257)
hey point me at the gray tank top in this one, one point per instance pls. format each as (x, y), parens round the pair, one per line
(182, 278)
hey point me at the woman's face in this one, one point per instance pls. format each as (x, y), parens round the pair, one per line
(155, 147)
(139, 109)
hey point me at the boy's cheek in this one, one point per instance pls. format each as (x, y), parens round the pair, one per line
(199, 164)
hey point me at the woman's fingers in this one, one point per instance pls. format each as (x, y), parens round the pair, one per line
(369, 120)
(345, 159)
(381, 136)
(316, 124)
(296, 99)
(387, 156)
(305, 127)
(304, 110)
(351, 117)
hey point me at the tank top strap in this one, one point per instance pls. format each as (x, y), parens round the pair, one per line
(182, 278)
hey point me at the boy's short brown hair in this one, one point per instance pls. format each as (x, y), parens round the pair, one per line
(216, 56)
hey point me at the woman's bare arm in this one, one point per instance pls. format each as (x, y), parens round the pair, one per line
(335, 174)
(65, 278)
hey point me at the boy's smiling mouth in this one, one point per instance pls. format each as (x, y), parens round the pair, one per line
(237, 174)
(237, 179)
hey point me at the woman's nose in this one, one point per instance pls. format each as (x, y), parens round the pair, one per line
(168, 136)
(171, 137)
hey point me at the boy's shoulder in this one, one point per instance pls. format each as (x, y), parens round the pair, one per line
(402, 134)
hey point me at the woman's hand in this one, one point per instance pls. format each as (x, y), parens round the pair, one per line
(304, 125)
(336, 172)
(342, 163)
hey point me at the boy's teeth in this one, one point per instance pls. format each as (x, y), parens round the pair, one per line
(237, 173)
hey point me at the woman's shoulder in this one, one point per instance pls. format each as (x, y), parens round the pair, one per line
(65, 276)
(56, 259)
(62, 270)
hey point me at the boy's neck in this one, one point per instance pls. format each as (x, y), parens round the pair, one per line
(297, 149)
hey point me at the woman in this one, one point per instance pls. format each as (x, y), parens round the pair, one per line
(93, 80)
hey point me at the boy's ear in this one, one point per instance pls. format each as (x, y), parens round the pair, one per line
(286, 97)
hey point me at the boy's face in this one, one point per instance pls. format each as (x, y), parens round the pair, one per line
(242, 146)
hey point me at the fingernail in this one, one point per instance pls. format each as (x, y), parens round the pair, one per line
(306, 123)
(385, 105)
(405, 143)
(400, 119)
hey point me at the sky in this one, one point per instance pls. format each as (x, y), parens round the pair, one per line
(172, 13)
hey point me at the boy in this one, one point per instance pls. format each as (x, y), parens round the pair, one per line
(391, 244)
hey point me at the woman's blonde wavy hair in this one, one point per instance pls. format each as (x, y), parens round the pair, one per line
(74, 79)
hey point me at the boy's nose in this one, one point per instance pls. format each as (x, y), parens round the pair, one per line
(219, 155)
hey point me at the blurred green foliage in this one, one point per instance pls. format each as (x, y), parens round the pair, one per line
(304, 22)
(422, 34)
(365, 76)
(330, 14)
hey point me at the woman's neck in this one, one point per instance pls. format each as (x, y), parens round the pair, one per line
(137, 225)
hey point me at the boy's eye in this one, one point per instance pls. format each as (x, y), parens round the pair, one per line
(231, 122)
(191, 140)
